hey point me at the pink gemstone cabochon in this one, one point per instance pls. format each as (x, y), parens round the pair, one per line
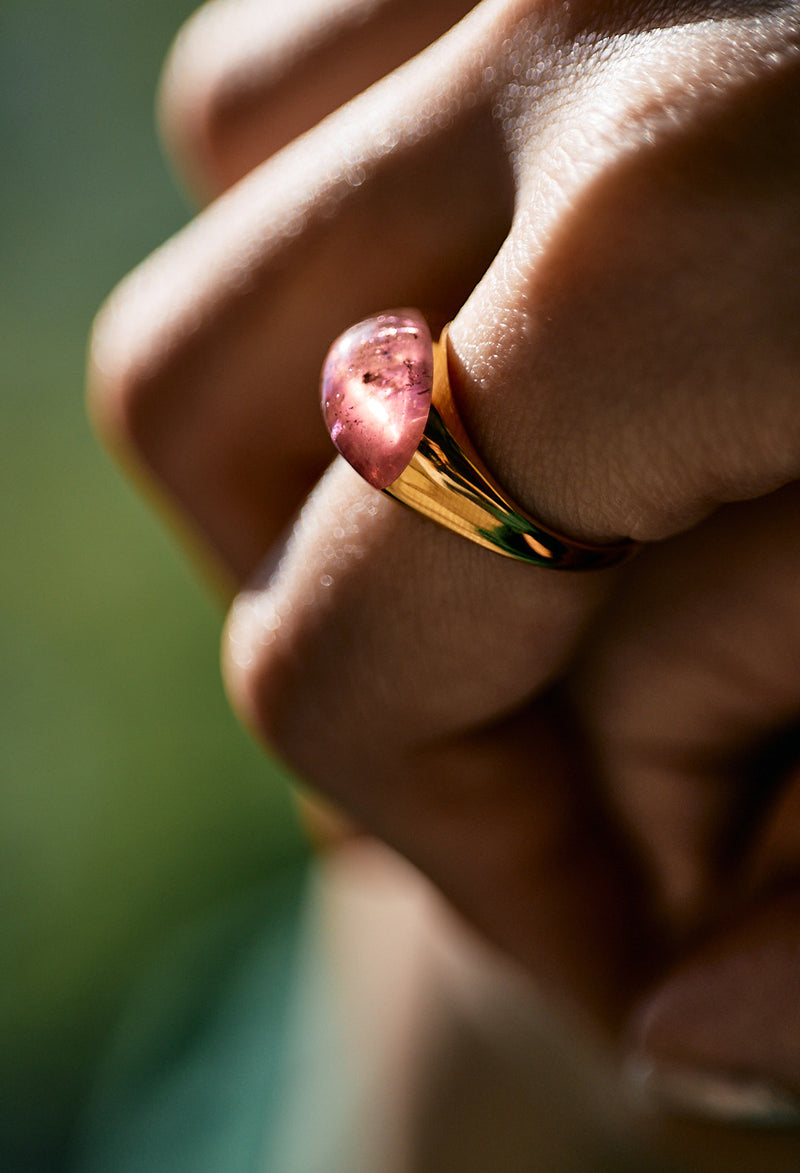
(376, 393)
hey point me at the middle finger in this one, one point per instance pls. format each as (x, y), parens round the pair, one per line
(206, 360)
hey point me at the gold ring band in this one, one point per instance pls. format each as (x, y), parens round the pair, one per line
(389, 409)
(447, 482)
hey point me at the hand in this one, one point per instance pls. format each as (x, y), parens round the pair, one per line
(604, 196)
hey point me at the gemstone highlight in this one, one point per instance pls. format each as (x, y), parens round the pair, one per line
(376, 393)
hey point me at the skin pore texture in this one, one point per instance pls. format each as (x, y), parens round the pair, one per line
(604, 197)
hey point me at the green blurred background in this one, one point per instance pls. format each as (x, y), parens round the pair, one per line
(130, 800)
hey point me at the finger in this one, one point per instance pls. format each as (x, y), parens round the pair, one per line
(206, 361)
(342, 660)
(688, 685)
(631, 359)
(721, 1033)
(245, 77)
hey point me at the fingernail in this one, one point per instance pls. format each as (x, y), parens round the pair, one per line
(720, 1035)
(726, 1098)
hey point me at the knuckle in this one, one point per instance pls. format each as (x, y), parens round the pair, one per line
(219, 77)
(261, 674)
(114, 380)
(130, 377)
(297, 647)
(193, 108)
(190, 103)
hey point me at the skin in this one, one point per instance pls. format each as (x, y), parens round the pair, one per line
(599, 771)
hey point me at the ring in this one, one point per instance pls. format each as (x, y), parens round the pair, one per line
(389, 409)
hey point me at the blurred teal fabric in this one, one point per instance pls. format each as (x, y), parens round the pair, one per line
(129, 800)
(195, 1076)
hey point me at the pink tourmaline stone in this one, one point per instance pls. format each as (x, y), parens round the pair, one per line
(376, 393)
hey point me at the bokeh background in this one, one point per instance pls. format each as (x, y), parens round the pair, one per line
(129, 799)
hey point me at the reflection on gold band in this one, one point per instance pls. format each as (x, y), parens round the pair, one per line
(447, 482)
